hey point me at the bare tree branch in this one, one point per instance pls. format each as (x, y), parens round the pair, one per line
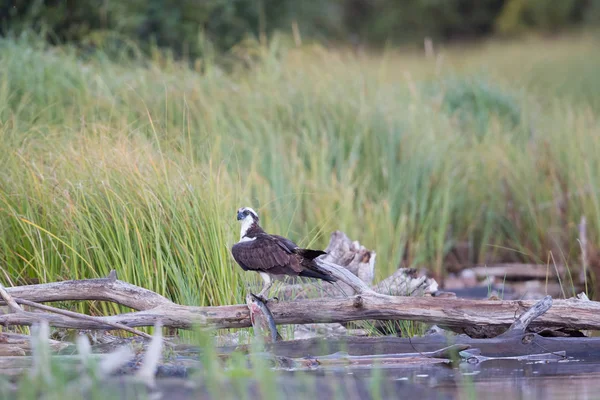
(103, 289)
(72, 314)
(524, 320)
(14, 307)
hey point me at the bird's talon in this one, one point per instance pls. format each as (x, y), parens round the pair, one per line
(260, 297)
(266, 299)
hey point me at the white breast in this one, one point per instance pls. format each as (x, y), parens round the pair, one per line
(246, 239)
(246, 224)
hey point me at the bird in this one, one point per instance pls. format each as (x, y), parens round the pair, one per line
(271, 255)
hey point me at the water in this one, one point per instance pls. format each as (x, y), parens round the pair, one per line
(497, 379)
(570, 377)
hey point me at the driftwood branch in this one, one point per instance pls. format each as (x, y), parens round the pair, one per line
(102, 289)
(15, 308)
(351, 255)
(75, 315)
(12, 304)
(353, 265)
(524, 320)
(345, 276)
(459, 314)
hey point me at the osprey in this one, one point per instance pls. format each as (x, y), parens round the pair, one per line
(273, 254)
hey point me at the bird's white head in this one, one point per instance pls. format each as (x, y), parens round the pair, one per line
(248, 217)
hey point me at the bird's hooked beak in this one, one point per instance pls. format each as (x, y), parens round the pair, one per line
(240, 216)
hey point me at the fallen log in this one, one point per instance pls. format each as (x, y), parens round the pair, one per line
(465, 316)
(12, 362)
(516, 271)
(19, 344)
(586, 349)
(101, 289)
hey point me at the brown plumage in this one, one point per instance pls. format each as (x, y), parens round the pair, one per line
(273, 254)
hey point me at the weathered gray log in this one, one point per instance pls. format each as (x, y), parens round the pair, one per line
(11, 362)
(11, 350)
(514, 271)
(103, 289)
(406, 282)
(73, 315)
(459, 314)
(9, 342)
(351, 255)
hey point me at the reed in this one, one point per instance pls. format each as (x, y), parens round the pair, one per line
(139, 165)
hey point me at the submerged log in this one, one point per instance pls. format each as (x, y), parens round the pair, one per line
(530, 343)
(476, 358)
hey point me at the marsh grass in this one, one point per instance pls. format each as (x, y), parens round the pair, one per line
(139, 165)
(237, 375)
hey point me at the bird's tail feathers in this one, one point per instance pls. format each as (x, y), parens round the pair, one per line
(309, 254)
(311, 273)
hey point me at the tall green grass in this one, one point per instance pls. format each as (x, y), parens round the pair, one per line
(235, 375)
(139, 164)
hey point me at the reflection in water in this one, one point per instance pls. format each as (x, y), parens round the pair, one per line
(496, 379)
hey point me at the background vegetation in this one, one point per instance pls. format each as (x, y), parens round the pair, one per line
(193, 28)
(117, 155)
(130, 132)
(139, 165)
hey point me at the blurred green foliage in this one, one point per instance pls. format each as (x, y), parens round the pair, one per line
(475, 101)
(546, 15)
(188, 27)
(193, 28)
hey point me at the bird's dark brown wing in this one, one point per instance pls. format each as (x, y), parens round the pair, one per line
(287, 243)
(262, 254)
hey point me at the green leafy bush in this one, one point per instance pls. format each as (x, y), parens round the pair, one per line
(194, 28)
(184, 26)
